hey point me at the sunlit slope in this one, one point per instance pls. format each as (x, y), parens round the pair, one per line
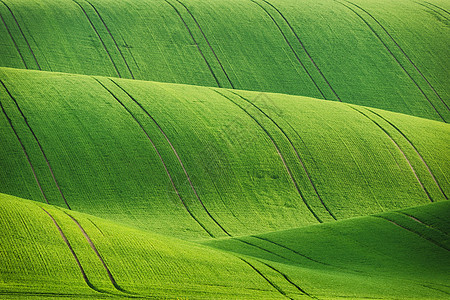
(400, 254)
(220, 162)
(384, 54)
(47, 251)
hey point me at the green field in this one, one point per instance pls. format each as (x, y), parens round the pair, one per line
(224, 149)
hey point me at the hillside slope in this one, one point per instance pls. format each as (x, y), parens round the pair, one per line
(96, 259)
(383, 54)
(221, 162)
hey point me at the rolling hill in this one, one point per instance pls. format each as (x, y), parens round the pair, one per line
(224, 149)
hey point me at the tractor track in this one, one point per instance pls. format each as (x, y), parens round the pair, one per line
(279, 154)
(412, 231)
(112, 37)
(39, 144)
(304, 48)
(393, 56)
(25, 152)
(111, 277)
(99, 37)
(195, 42)
(403, 52)
(176, 154)
(296, 153)
(292, 49)
(160, 157)
(276, 287)
(207, 41)
(400, 149)
(415, 149)
(83, 273)
(14, 42)
(23, 35)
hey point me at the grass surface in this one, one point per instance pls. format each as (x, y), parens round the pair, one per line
(387, 55)
(224, 149)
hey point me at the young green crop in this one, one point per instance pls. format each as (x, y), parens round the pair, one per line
(391, 56)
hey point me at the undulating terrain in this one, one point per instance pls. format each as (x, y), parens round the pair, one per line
(224, 149)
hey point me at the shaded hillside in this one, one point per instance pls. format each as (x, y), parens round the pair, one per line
(221, 162)
(367, 257)
(383, 54)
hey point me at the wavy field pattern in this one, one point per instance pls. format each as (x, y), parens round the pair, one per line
(239, 149)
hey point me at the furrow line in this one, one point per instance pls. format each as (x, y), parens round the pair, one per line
(195, 42)
(422, 223)
(25, 152)
(129, 51)
(21, 31)
(176, 154)
(98, 35)
(287, 279)
(415, 149)
(14, 41)
(39, 144)
(290, 46)
(433, 9)
(436, 289)
(296, 152)
(304, 48)
(398, 147)
(111, 277)
(394, 57)
(412, 231)
(160, 157)
(263, 249)
(207, 41)
(293, 251)
(279, 154)
(404, 53)
(83, 273)
(264, 277)
(112, 37)
(438, 7)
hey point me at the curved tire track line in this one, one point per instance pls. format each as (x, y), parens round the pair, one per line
(393, 56)
(21, 31)
(263, 249)
(433, 9)
(176, 154)
(436, 289)
(404, 53)
(279, 154)
(296, 153)
(293, 251)
(421, 222)
(400, 149)
(159, 155)
(14, 41)
(98, 35)
(438, 7)
(207, 41)
(111, 277)
(288, 279)
(39, 144)
(292, 49)
(25, 152)
(195, 42)
(129, 51)
(415, 149)
(412, 231)
(304, 48)
(83, 273)
(112, 37)
(264, 277)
